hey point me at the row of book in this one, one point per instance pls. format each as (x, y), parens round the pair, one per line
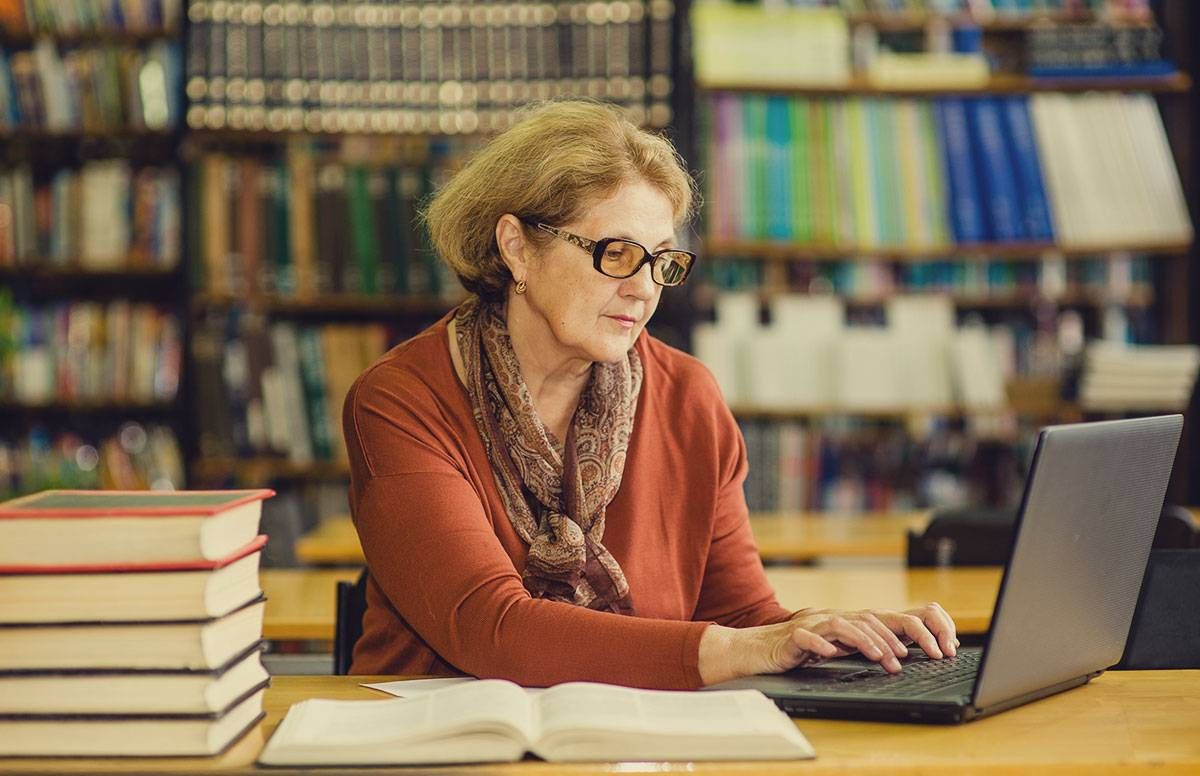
(1103, 50)
(983, 10)
(134, 457)
(1120, 278)
(277, 389)
(913, 354)
(85, 17)
(90, 88)
(106, 215)
(89, 353)
(422, 67)
(853, 466)
(922, 174)
(307, 224)
(132, 622)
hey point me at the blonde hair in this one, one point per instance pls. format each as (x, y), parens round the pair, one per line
(551, 166)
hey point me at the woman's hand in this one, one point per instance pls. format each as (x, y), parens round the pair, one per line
(813, 635)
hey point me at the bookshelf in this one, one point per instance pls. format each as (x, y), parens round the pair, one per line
(91, 283)
(806, 233)
(1001, 83)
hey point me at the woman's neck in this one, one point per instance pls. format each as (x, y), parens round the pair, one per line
(555, 378)
(555, 383)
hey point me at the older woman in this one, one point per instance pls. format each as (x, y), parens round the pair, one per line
(544, 492)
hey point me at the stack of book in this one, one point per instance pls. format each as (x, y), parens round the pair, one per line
(1132, 378)
(130, 622)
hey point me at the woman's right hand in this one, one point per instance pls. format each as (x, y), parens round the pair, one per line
(879, 635)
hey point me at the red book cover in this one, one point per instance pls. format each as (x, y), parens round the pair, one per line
(254, 546)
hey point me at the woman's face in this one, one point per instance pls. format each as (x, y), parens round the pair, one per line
(590, 315)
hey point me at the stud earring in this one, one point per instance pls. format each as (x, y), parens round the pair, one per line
(520, 289)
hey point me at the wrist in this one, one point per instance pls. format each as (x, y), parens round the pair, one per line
(715, 662)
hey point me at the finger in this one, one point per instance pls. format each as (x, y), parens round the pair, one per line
(807, 641)
(939, 621)
(867, 642)
(887, 634)
(911, 624)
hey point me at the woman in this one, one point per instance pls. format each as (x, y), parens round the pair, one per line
(544, 493)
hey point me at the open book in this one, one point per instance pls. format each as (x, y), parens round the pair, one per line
(494, 720)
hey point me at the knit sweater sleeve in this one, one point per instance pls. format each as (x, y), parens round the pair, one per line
(431, 548)
(735, 590)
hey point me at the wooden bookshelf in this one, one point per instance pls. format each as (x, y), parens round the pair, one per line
(73, 272)
(792, 252)
(111, 133)
(901, 21)
(329, 304)
(1138, 298)
(9, 407)
(999, 83)
(98, 36)
(1029, 397)
(265, 469)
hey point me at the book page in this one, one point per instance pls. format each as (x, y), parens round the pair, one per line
(582, 722)
(479, 721)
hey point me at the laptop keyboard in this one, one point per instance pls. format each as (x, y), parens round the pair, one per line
(920, 676)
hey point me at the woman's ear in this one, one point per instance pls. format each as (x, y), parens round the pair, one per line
(514, 247)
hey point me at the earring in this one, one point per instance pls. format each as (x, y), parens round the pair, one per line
(520, 289)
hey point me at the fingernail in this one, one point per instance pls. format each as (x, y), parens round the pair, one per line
(876, 652)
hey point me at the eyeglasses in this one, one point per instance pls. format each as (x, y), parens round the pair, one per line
(620, 258)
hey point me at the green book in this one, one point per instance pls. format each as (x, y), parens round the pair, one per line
(362, 230)
(312, 379)
(802, 178)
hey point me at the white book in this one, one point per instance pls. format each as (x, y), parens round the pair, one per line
(498, 721)
(866, 371)
(789, 373)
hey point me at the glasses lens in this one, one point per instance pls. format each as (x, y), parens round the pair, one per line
(671, 267)
(621, 259)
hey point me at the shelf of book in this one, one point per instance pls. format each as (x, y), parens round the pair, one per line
(111, 133)
(914, 20)
(791, 252)
(1137, 298)
(999, 83)
(329, 304)
(100, 36)
(124, 408)
(72, 272)
(1054, 412)
(263, 469)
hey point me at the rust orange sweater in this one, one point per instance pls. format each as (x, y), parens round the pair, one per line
(445, 592)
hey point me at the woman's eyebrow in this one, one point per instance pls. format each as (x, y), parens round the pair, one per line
(666, 242)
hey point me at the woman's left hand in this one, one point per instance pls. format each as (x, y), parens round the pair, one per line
(929, 627)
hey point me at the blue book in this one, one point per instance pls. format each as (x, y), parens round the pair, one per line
(995, 171)
(1035, 208)
(962, 196)
(777, 170)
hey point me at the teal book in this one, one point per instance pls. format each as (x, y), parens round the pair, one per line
(362, 230)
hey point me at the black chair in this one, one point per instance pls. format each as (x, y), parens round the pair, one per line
(963, 537)
(1166, 625)
(351, 605)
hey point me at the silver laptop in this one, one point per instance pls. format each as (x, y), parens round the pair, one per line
(1087, 519)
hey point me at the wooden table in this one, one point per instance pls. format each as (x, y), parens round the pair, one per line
(782, 538)
(1122, 722)
(301, 604)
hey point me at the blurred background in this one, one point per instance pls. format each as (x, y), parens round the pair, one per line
(930, 227)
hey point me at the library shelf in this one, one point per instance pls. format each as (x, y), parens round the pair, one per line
(999, 83)
(900, 21)
(79, 134)
(82, 37)
(1037, 398)
(72, 271)
(330, 304)
(262, 469)
(1139, 297)
(9, 407)
(794, 252)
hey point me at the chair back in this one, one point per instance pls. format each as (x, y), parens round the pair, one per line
(1166, 631)
(351, 605)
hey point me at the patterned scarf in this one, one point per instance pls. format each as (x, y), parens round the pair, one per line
(555, 493)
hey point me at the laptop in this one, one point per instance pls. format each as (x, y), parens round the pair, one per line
(1083, 534)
